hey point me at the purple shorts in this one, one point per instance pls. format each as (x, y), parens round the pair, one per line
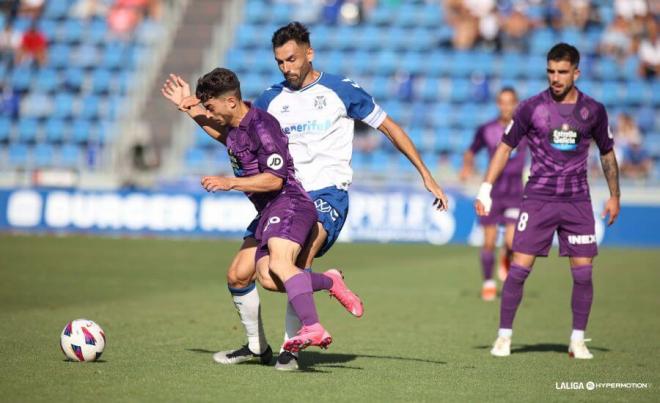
(288, 216)
(503, 211)
(573, 221)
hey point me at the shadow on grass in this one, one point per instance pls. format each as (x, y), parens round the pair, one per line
(541, 348)
(312, 361)
(86, 362)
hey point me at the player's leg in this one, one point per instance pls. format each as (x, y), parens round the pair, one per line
(506, 251)
(286, 360)
(487, 255)
(241, 284)
(298, 284)
(577, 239)
(533, 237)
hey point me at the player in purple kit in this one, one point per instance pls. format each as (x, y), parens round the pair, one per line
(559, 124)
(264, 170)
(506, 193)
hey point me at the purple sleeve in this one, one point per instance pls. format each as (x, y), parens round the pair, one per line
(602, 133)
(518, 127)
(272, 151)
(478, 142)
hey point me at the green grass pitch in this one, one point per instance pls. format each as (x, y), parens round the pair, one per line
(424, 337)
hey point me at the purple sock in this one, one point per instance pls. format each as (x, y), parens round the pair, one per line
(583, 294)
(487, 262)
(512, 293)
(320, 282)
(301, 297)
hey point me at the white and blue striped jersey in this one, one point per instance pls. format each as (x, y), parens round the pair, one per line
(319, 121)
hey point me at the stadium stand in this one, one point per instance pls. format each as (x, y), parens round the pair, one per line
(452, 89)
(69, 106)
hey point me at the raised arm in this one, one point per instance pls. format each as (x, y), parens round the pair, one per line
(611, 172)
(177, 90)
(402, 142)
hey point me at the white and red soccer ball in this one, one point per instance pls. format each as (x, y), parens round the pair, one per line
(82, 340)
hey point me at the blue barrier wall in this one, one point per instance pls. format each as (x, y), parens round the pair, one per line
(381, 216)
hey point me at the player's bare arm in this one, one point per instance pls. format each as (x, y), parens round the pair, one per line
(467, 170)
(177, 90)
(402, 142)
(495, 168)
(260, 183)
(611, 172)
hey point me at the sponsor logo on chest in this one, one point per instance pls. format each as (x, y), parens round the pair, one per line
(565, 138)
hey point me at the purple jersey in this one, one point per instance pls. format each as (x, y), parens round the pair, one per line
(559, 136)
(509, 183)
(258, 145)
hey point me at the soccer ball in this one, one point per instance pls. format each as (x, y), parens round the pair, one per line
(82, 340)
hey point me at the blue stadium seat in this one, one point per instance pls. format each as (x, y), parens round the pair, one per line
(90, 107)
(114, 56)
(636, 92)
(18, 154)
(541, 41)
(439, 115)
(56, 9)
(59, 56)
(55, 130)
(36, 104)
(48, 28)
(101, 81)
(430, 16)
(70, 156)
(420, 39)
(82, 131)
(28, 129)
(414, 62)
(407, 15)
(43, 155)
(280, 13)
(460, 90)
(85, 55)
(70, 31)
(387, 62)
(47, 80)
(256, 12)
(74, 77)
(430, 90)
(369, 39)
(20, 78)
(64, 103)
(97, 31)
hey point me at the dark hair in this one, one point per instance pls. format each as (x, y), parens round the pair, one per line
(217, 83)
(509, 89)
(292, 31)
(564, 51)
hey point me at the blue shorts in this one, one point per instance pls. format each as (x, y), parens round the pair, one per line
(332, 209)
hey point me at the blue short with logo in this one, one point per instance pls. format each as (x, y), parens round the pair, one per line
(332, 209)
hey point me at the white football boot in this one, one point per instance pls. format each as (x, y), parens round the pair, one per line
(501, 347)
(578, 349)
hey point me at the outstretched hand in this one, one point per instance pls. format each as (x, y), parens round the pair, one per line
(441, 203)
(176, 89)
(612, 208)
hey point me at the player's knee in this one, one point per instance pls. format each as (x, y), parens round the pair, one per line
(235, 279)
(266, 280)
